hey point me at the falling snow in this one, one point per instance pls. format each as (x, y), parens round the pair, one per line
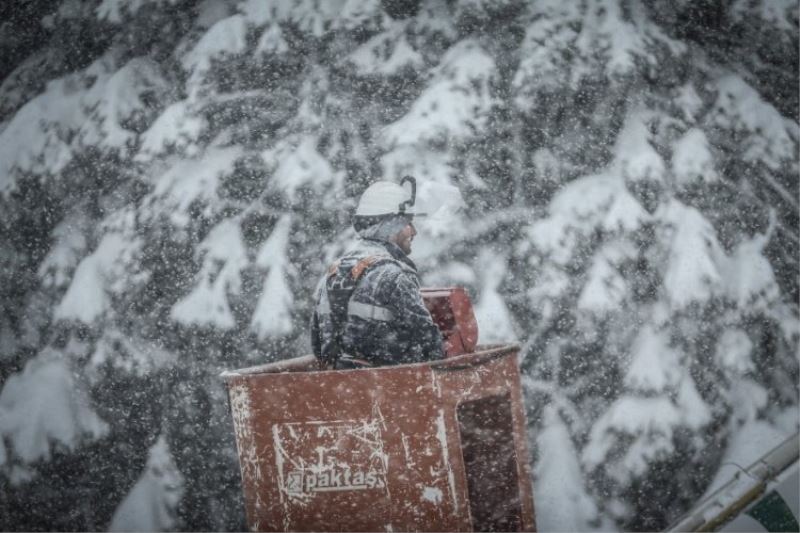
(614, 182)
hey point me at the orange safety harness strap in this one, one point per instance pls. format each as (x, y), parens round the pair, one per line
(358, 270)
(363, 265)
(339, 297)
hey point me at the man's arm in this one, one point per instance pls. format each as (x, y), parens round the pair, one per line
(424, 338)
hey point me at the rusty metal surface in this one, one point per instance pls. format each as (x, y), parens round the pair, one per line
(379, 449)
(451, 311)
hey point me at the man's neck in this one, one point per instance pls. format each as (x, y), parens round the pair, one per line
(394, 250)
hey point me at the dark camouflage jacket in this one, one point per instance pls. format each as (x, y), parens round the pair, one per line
(369, 307)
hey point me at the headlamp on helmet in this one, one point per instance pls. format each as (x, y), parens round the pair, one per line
(388, 198)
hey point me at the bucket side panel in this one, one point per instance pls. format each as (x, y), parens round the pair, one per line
(367, 450)
(249, 461)
(428, 493)
(335, 444)
(495, 377)
(523, 452)
(491, 463)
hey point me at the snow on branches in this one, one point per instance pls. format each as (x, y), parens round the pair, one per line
(43, 407)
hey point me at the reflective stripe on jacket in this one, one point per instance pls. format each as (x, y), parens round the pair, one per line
(377, 315)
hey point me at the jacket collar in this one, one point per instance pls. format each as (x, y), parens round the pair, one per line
(394, 251)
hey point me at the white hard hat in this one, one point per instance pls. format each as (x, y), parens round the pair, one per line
(387, 198)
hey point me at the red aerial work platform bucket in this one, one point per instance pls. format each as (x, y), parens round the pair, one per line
(436, 446)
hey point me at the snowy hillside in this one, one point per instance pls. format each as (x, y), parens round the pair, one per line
(615, 182)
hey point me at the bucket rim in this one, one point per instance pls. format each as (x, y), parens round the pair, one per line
(484, 354)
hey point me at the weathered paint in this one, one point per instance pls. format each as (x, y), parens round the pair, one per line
(245, 440)
(328, 456)
(432, 494)
(441, 434)
(452, 312)
(372, 449)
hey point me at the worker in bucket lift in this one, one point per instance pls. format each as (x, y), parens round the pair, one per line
(369, 310)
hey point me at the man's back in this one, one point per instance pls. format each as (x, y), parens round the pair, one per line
(369, 307)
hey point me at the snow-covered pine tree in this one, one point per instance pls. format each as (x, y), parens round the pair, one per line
(175, 175)
(633, 264)
(150, 505)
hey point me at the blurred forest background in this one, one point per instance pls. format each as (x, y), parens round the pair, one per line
(175, 175)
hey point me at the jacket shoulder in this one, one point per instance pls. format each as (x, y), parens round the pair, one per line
(389, 275)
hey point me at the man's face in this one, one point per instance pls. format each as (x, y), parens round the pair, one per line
(405, 236)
